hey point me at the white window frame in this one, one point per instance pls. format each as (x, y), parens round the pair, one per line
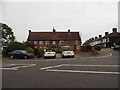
(35, 42)
(53, 42)
(108, 39)
(47, 42)
(76, 42)
(41, 42)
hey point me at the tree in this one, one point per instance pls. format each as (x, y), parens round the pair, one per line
(7, 34)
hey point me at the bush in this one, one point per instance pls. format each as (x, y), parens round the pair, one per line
(56, 48)
(42, 49)
(88, 48)
(30, 50)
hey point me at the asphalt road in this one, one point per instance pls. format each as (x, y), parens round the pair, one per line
(87, 72)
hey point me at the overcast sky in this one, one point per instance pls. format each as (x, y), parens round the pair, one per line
(89, 18)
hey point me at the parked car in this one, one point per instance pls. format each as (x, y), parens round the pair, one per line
(67, 52)
(117, 47)
(20, 54)
(50, 53)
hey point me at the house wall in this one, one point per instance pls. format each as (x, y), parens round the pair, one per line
(75, 44)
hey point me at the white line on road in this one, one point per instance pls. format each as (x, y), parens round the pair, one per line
(9, 68)
(90, 65)
(75, 71)
(16, 67)
(51, 67)
(27, 65)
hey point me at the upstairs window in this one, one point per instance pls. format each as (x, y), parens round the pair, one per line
(46, 42)
(41, 42)
(76, 42)
(35, 42)
(107, 39)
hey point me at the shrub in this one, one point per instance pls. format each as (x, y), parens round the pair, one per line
(88, 48)
(30, 50)
(41, 49)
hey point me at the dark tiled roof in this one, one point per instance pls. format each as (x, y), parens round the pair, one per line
(53, 36)
(113, 34)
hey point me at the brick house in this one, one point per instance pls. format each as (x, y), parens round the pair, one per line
(49, 39)
(107, 41)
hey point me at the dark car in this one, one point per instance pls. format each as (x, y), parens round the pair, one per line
(20, 54)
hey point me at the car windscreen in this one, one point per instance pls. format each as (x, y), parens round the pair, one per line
(24, 51)
(67, 49)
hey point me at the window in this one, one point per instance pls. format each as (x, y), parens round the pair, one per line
(35, 42)
(107, 39)
(76, 42)
(40, 42)
(46, 42)
(77, 47)
(61, 42)
(53, 42)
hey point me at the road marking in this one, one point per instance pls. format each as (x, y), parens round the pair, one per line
(16, 67)
(75, 71)
(8, 68)
(90, 65)
(27, 65)
(50, 67)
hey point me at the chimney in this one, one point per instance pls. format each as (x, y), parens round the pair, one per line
(106, 33)
(100, 36)
(95, 37)
(114, 29)
(92, 38)
(54, 30)
(68, 30)
(29, 31)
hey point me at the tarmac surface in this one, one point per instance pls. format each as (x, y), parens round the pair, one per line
(83, 71)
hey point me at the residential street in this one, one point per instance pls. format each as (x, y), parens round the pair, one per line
(83, 71)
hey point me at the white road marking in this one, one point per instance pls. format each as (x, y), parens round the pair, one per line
(75, 71)
(50, 67)
(16, 67)
(27, 65)
(8, 68)
(90, 65)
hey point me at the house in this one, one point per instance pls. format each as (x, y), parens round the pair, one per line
(49, 39)
(107, 41)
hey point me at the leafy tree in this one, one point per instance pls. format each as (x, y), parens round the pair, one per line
(30, 50)
(7, 33)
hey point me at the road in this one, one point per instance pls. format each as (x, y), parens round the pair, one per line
(85, 72)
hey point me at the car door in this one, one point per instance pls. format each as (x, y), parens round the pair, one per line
(18, 54)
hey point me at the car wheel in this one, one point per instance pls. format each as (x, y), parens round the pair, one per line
(11, 57)
(25, 57)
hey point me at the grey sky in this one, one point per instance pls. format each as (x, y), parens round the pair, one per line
(89, 18)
